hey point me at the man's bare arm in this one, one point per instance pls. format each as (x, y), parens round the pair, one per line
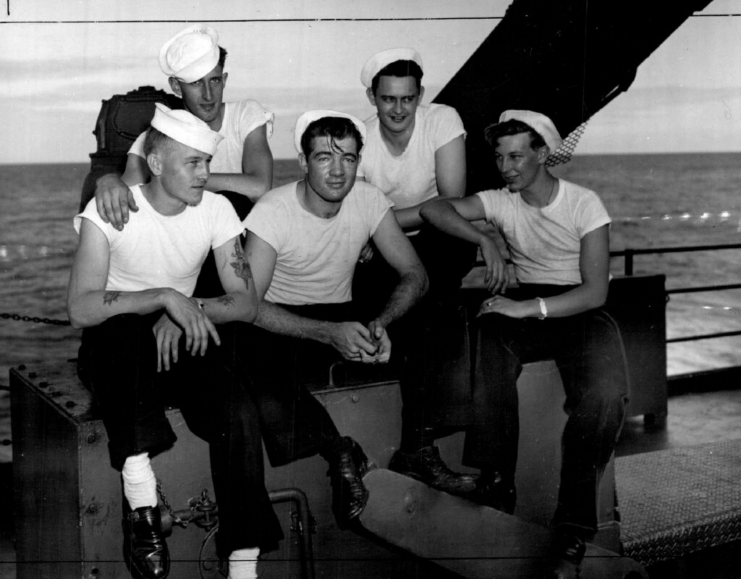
(239, 303)
(90, 304)
(347, 337)
(450, 174)
(398, 252)
(256, 177)
(113, 198)
(453, 216)
(594, 265)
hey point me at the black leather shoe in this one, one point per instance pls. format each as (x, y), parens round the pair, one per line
(347, 466)
(492, 490)
(567, 553)
(145, 548)
(426, 465)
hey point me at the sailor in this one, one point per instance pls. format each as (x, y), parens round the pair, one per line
(416, 152)
(303, 241)
(132, 292)
(557, 235)
(242, 164)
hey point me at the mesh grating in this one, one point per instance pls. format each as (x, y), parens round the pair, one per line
(679, 501)
(566, 150)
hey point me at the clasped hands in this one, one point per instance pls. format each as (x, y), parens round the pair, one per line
(358, 343)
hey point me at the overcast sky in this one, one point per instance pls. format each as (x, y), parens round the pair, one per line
(61, 59)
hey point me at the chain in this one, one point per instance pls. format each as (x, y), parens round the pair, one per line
(35, 320)
(175, 519)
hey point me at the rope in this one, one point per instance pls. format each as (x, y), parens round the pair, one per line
(35, 320)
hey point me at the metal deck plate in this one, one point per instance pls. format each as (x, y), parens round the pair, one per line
(471, 540)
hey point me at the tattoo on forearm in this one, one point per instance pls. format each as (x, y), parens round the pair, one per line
(226, 300)
(110, 297)
(240, 264)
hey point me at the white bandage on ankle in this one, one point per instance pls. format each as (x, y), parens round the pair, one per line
(243, 563)
(140, 484)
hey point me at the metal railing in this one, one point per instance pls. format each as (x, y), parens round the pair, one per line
(629, 254)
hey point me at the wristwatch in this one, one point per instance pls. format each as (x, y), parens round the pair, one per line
(543, 309)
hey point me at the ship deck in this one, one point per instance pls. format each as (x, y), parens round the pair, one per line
(693, 418)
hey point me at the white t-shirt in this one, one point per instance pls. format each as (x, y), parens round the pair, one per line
(316, 257)
(545, 243)
(409, 179)
(240, 119)
(156, 250)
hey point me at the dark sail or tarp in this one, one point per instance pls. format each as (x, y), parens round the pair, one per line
(565, 59)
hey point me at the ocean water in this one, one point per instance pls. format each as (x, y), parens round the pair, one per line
(37, 244)
(665, 201)
(654, 200)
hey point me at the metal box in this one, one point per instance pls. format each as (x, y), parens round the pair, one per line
(638, 304)
(67, 497)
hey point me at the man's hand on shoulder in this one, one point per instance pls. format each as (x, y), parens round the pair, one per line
(189, 315)
(114, 200)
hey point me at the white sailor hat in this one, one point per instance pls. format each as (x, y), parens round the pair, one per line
(191, 54)
(310, 116)
(186, 128)
(384, 58)
(540, 123)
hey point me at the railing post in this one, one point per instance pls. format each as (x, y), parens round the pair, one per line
(629, 261)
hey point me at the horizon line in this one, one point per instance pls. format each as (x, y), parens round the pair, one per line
(574, 156)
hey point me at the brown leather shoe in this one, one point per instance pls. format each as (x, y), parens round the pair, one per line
(145, 548)
(347, 466)
(426, 465)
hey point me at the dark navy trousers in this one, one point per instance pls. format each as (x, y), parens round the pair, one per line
(589, 354)
(430, 345)
(118, 363)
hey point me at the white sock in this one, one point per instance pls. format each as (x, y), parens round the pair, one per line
(140, 484)
(243, 563)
